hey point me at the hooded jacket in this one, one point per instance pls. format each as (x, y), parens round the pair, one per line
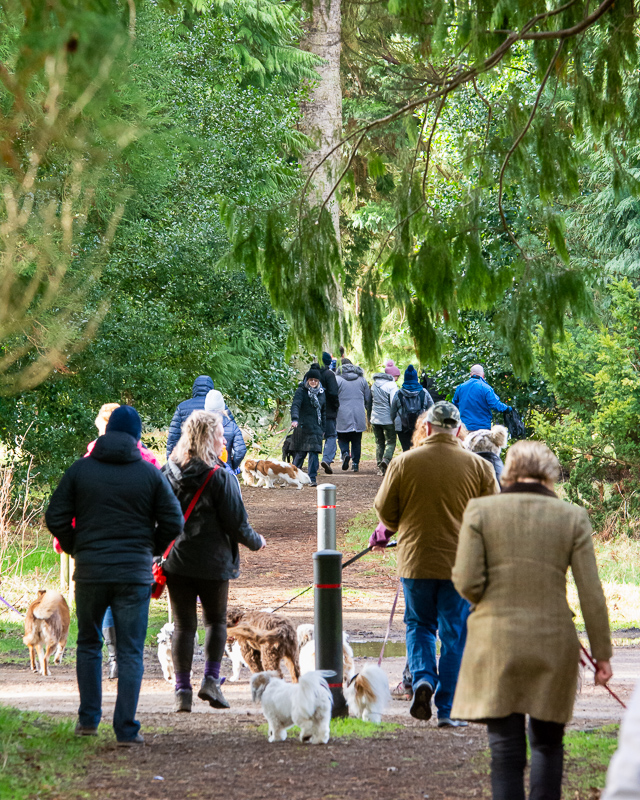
(124, 509)
(208, 547)
(355, 396)
(383, 390)
(202, 385)
(475, 399)
(330, 386)
(405, 392)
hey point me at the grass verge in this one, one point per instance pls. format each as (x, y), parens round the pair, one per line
(346, 728)
(39, 756)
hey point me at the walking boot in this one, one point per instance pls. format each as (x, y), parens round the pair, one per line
(183, 699)
(110, 640)
(211, 692)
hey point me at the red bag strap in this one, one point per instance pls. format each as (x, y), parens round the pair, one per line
(191, 506)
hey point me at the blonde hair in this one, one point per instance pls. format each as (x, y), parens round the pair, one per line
(528, 459)
(103, 416)
(201, 438)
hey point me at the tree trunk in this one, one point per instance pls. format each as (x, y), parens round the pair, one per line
(323, 113)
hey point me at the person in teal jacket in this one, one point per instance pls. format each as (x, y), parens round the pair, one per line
(475, 399)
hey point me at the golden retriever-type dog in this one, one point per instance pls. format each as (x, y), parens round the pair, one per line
(265, 639)
(46, 627)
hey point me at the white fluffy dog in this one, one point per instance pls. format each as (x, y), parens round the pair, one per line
(306, 704)
(368, 694)
(307, 655)
(165, 655)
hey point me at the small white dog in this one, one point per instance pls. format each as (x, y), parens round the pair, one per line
(368, 694)
(307, 655)
(266, 472)
(306, 704)
(237, 661)
(165, 655)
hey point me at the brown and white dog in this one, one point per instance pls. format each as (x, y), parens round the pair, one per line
(46, 627)
(265, 639)
(266, 472)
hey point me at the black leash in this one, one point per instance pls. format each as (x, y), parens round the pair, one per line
(346, 564)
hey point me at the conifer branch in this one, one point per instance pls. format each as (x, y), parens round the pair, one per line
(515, 145)
(565, 33)
(429, 143)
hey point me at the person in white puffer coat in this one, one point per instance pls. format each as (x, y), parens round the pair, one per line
(623, 777)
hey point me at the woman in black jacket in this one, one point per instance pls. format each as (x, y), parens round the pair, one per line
(205, 556)
(308, 416)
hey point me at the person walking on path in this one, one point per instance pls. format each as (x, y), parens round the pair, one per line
(330, 386)
(355, 395)
(408, 403)
(383, 391)
(125, 512)
(205, 556)
(475, 399)
(202, 385)
(234, 441)
(522, 653)
(308, 410)
(423, 497)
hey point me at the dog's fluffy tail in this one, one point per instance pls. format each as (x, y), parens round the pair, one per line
(255, 636)
(50, 603)
(312, 686)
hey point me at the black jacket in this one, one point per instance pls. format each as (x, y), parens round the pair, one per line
(124, 509)
(201, 387)
(208, 547)
(308, 436)
(330, 386)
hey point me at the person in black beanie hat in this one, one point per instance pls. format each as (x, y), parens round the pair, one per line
(308, 417)
(125, 513)
(330, 386)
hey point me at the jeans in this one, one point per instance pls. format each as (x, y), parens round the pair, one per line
(353, 438)
(184, 593)
(107, 622)
(330, 443)
(130, 606)
(385, 442)
(314, 463)
(405, 440)
(433, 607)
(508, 744)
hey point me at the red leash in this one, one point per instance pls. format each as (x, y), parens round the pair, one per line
(587, 658)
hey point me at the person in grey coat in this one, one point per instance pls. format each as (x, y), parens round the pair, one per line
(354, 395)
(383, 391)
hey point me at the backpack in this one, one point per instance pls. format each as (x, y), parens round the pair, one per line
(514, 424)
(410, 409)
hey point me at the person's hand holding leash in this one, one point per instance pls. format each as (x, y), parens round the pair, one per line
(603, 674)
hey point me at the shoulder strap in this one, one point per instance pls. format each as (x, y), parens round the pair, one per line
(191, 506)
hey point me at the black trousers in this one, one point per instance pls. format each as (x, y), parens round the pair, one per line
(352, 439)
(184, 593)
(508, 743)
(405, 440)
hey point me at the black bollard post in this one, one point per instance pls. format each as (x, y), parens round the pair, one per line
(327, 579)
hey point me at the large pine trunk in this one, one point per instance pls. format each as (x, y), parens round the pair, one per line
(323, 113)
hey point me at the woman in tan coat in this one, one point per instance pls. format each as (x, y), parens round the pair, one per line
(522, 650)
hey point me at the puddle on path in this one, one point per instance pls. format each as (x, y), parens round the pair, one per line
(372, 649)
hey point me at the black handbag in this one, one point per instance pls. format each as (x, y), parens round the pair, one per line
(514, 424)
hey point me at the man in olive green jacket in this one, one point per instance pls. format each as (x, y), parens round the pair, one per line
(423, 497)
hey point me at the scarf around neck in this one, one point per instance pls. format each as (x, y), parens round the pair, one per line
(313, 396)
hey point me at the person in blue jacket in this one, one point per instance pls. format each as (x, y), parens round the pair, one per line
(236, 448)
(475, 399)
(201, 385)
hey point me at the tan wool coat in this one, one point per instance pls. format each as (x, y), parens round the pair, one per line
(522, 650)
(423, 497)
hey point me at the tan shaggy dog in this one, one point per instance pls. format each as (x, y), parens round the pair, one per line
(46, 627)
(265, 639)
(266, 472)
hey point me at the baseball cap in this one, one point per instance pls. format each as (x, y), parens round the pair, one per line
(444, 414)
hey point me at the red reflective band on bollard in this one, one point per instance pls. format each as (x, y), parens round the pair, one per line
(327, 506)
(327, 585)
